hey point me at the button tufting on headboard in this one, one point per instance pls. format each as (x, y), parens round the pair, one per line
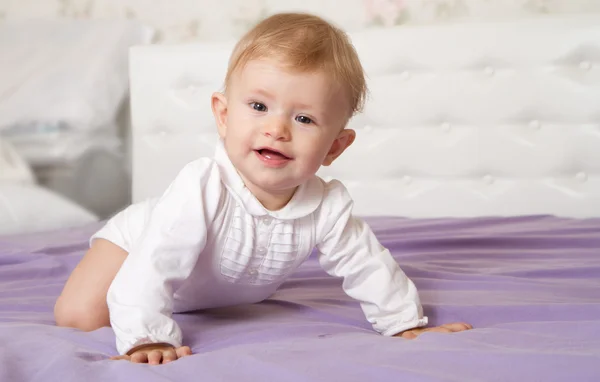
(461, 120)
(585, 65)
(581, 176)
(405, 75)
(446, 127)
(535, 124)
(490, 71)
(488, 179)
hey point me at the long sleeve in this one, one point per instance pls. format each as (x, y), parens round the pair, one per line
(140, 299)
(349, 249)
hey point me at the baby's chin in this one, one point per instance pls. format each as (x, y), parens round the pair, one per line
(277, 187)
(273, 181)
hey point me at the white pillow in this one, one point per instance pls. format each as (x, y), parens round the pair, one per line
(26, 208)
(61, 75)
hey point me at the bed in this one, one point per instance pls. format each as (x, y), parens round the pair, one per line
(489, 199)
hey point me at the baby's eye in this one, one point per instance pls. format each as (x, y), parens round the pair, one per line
(258, 106)
(303, 119)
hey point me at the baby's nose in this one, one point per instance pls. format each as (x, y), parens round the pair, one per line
(277, 129)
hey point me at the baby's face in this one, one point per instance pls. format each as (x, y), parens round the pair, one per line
(280, 126)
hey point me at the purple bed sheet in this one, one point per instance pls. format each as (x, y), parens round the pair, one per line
(529, 285)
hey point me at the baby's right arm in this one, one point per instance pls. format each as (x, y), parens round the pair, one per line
(140, 299)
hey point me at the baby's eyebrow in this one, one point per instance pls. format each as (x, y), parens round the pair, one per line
(262, 92)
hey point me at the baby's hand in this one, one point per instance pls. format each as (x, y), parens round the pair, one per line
(447, 328)
(155, 354)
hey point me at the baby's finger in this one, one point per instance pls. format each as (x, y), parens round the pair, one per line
(120, 357)
(155, 357)
(183, 351)
(169, 355)
(457, 326)
(410, 334)
(438, 329)
(140, 357)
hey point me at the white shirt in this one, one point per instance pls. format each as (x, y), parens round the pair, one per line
(208, 242)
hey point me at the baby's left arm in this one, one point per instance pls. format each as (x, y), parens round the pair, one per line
(371, 275)
(388, 298)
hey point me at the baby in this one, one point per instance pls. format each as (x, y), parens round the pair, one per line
(231, 229)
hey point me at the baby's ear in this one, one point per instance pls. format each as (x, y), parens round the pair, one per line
(341, 143)
(219, 108)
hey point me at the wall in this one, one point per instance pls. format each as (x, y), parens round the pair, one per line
(188, 20)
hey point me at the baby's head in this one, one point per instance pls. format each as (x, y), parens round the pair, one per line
(292, 84)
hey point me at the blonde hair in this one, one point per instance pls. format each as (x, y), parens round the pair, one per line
(304, 43)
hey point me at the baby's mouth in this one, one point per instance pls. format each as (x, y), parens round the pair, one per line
(271, 154)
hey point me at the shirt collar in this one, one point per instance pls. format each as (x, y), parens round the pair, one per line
(305, 201)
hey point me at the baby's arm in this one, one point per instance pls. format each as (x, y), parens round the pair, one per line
(140, 299)
(388, 298)
(349, 249)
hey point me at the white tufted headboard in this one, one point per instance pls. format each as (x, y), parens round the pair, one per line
(462, 120)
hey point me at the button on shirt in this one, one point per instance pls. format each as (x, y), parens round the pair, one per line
(208, 242)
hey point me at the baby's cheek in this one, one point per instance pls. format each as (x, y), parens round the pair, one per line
(315, 163)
